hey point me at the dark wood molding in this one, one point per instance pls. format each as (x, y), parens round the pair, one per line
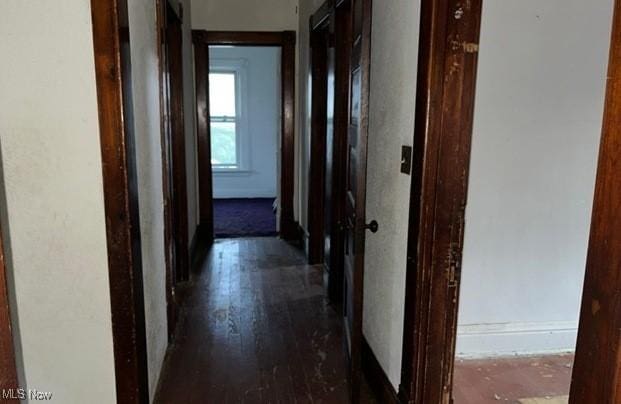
(174, 43)
(376, 377)
(321, 16)
(244, 38)
(319, 102)
(203, 129)
(448, 49)
(112, 62)
(176, 7)
(286, 40)
(287, 142)
(8, 370)
(596, 375)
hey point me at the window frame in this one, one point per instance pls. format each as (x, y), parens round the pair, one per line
(238, 67)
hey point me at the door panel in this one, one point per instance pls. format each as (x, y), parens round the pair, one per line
(356, 186)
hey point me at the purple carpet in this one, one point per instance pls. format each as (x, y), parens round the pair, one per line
(244, 217)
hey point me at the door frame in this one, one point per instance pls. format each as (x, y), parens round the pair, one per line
(596, 375)
(320, 29)
(448, 54)
(436, 225)
(120, 190)
(202, 39)
(8, 365)
(335, 20)
(174, 175)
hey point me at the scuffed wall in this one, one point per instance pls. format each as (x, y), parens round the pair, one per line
(49, 136)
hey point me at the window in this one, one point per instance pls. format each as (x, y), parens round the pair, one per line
(223, 120)
(227, 93)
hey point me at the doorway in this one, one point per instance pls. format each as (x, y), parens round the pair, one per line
(245, 144)
(244, 108)
(438, 210)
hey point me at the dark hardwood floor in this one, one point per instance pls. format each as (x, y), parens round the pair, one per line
(256, 327)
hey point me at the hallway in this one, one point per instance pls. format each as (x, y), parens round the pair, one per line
(256, 327)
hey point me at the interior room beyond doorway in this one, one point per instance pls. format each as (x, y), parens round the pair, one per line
(244, 92)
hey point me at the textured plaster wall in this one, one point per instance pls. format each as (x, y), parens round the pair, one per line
(394, 52)
(52, 171)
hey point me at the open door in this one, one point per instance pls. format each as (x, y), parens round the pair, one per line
(173, 155)
(355, 186)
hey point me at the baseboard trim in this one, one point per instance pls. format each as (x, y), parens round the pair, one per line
(508, 339)
(376, 377)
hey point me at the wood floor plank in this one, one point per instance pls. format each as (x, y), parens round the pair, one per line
(256, 327)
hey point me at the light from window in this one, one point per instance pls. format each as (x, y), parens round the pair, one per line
(223, 120)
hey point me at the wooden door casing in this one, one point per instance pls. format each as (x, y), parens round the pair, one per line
(448, 54)
(8, 371)
(318, 143)
(596, 375)
(285, 40)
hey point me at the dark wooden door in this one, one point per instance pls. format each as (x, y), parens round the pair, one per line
(177, 143)
(329, 197)
(355, 186)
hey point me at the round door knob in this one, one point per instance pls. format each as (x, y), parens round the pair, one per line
(372, 226)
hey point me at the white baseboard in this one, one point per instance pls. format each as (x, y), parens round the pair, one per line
(508, 339)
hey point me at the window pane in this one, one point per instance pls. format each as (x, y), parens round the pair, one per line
(223, 147)
(222, 94)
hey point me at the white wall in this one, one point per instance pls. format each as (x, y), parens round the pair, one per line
(146, 102)
(261, 114)
(245, 15)
(394, 53)
(49, 136)
(539, 107)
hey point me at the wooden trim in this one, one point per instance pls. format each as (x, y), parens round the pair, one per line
(8, 369)
(317, 173)
(177, 7)
(376, 377)
(203, 130)
(342, 53)
(243, 38)
(448, 49)
(287, 141)
(286, 40)
(597, 370)
(322, 14)
(112, 62)
(174, 43)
